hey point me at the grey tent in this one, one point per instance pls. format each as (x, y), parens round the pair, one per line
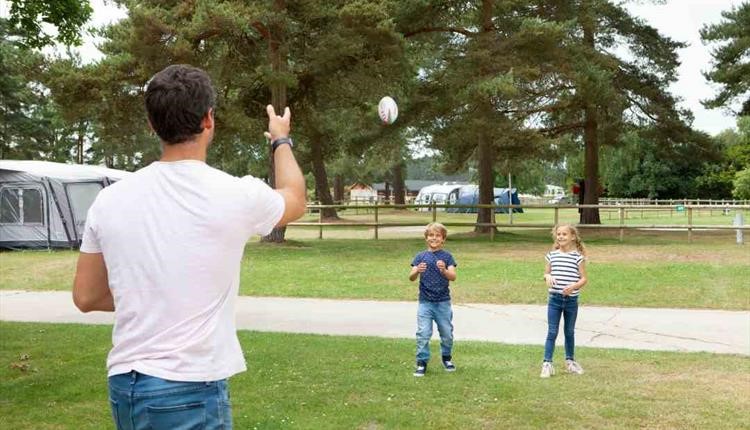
(469, 195)
(44, 204)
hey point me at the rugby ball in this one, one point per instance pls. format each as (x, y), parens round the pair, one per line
(387, 110)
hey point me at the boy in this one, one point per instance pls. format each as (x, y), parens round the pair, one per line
(435, 268)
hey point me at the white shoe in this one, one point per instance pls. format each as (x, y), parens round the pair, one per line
(573, 367)
(547, 370)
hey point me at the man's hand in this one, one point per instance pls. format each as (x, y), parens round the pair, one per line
(567, 291)
(278, 126)
(421, 267)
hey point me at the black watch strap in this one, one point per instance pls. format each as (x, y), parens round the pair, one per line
(281, 141)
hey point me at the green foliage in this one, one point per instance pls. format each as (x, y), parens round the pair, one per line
(742, 184)
(28, 18)
(731, 69)
(651, 165)
(430, 168)
(717, 180)
(30, 123)
(531, 176)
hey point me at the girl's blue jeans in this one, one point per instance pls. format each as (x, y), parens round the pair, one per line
(143, 402)
(567, 307)
(442, 314)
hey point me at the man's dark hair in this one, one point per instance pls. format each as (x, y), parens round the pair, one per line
(177, 99)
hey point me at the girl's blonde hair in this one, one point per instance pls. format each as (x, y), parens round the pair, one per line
(573, 230)
(436, 226)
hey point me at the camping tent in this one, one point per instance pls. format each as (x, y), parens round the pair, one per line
(44, 204)
(469, 195)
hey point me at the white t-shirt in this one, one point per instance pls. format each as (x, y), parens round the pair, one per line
(172, 236)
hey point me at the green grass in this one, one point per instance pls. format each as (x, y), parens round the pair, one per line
(315, 382)
(647, 270)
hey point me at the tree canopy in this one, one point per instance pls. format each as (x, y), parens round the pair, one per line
(527, 87)
(28, 19)
(731, 68)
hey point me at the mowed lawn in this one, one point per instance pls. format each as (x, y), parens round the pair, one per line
(53, 377)
(648, 269)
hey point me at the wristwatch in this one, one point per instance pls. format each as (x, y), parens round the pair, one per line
(281, 141)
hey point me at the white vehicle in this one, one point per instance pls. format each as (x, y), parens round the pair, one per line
(440, 194)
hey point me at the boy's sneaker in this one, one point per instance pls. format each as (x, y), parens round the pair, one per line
(547, 370)
(448, 364)
(421, 369)
(573, 367)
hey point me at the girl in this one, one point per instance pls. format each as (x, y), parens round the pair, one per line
(565, 275)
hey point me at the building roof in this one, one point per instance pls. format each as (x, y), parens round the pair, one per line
(359, 186)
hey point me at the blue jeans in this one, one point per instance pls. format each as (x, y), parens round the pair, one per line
(142, 402)
(567, 306)
(442, 314)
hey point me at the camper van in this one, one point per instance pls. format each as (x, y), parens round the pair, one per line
(44, 204)
(440, 194)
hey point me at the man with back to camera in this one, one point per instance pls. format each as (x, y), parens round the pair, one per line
(162, 249)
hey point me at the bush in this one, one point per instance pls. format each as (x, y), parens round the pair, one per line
(742, 184)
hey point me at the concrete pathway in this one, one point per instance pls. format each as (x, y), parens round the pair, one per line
(724, 332)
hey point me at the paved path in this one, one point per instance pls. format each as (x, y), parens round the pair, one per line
(725, 332)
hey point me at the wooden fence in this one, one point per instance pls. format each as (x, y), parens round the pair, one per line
(621, 212)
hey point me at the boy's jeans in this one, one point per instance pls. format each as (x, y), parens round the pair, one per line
(442, 314)
(141, 402)
(567, 306)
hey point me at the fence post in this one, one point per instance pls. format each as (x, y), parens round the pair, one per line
(622, 223)
(557, 215)
(434, 212)
(376, 220)
(320, 222)
(690, 223)
(494, 223)
(738, 222)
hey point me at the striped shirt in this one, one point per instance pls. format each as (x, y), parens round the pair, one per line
(564, 267)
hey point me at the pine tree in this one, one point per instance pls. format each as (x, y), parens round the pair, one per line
(732, 58)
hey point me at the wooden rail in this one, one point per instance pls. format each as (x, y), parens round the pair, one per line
(621, 210)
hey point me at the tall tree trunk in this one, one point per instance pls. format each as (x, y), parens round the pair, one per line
(590, 136)
(277, 56)
(486, 184)
(485, 157)
(591, 169)
(79, 143)
(398, 183)
(322, 192)
(338, 189)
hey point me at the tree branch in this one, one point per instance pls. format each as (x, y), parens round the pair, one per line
(463, 31)
(560, 129)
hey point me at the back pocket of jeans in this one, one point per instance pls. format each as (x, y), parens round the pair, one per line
(190, 416)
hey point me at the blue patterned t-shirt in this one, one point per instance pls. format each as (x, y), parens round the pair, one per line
(433, 286)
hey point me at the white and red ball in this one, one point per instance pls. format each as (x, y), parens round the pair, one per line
(388, 110)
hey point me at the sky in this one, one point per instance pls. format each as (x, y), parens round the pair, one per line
(678, 19)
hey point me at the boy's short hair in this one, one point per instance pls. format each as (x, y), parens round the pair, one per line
(436, 226)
